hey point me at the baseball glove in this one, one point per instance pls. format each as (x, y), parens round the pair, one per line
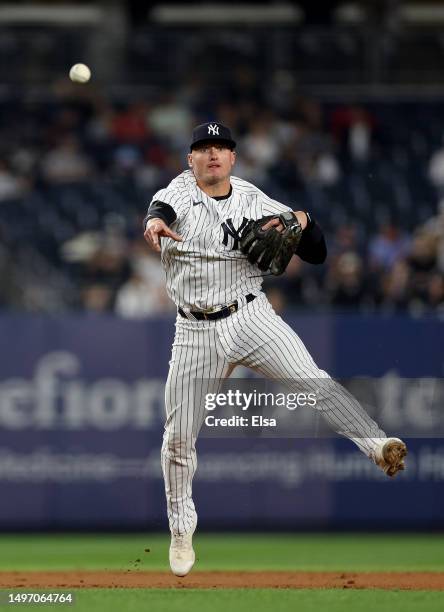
(270, 249)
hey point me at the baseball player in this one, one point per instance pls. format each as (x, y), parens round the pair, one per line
(198, 224)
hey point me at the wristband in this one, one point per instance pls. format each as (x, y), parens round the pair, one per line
(310, 220)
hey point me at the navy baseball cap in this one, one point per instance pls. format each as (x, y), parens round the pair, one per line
(212, 132)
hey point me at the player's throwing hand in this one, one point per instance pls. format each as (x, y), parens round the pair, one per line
(155, 228)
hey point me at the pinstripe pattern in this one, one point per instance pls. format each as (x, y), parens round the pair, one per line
(255, 337)
(197, 354)
(202, 272)
(206, 270)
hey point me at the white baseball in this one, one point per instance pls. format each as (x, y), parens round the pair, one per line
(80, 73)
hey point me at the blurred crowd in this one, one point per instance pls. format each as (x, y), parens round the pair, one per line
(393, 272)
(78, 169)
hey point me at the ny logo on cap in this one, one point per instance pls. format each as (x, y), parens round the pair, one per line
(213, 129)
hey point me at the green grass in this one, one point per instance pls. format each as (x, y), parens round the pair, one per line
(354, 552)
(259, 600)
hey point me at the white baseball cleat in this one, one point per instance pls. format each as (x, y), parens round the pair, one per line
(182, 555)
(390, 456)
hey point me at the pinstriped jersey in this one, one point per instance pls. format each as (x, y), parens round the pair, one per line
(207, 269)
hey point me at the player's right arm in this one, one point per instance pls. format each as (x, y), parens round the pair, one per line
(154, 229)
(161, 214)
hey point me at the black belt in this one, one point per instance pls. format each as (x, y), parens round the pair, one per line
(222, 313)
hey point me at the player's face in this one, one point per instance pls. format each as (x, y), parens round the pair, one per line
(211, 162)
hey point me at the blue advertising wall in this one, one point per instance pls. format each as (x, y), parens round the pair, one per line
(81, 420)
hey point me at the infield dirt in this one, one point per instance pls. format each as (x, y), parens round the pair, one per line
(411, 581)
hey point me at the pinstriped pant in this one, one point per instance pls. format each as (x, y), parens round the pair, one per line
(255, 337)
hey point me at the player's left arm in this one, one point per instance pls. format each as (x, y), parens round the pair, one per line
(312, 247)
